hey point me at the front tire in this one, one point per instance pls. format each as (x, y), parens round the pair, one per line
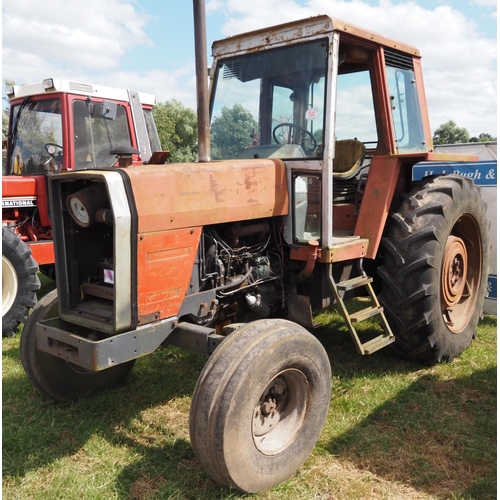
(259, 405)
(435, 272)
(19, 281)
(54, 377)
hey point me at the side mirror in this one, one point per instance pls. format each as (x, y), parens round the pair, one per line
(106, 110)
(109, 110)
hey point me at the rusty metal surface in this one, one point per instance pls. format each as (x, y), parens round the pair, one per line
(70, 342)
(343, 249)
(165, 261)
(195, 338)
(377, 198)
(344, 216)
(176, 196)
(305, 29)
(380, 189)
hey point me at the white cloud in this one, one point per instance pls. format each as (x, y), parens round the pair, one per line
(79, 40)
(90, 35)
(165, 85)
(485, 3)
(214, 5)
(459, 63)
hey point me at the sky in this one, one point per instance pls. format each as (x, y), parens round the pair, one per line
(148, 45)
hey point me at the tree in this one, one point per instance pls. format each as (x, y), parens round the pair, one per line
(5, 123)
(483, 138)
(450, 133)
(231, 132)
(178, 130)
(5, 111)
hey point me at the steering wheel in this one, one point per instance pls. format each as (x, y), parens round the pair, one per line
(50, 148)
(291, 126)
(48, 167)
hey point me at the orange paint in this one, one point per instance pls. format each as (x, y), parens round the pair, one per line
(165, 262)
(176, 196)
(42, 252)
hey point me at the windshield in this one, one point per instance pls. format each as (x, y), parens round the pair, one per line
(270, 104)
(36, 136)
(96, 135)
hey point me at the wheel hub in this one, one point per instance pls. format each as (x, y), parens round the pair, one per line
(267, 414)
(454, 271)
(10, 285)
(281, 411)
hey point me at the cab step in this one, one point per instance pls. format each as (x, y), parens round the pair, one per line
(369, 312)
(354, 283)
(375, 309)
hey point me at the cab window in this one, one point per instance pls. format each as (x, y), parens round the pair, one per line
(271, 104)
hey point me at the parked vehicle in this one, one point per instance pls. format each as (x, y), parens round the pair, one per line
(231, 257)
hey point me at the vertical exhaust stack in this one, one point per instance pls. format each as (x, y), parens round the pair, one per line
(200, 47)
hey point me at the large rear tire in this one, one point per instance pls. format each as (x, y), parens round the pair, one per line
(54, 377)
(435, 271)
(19, 281)
(259, 405)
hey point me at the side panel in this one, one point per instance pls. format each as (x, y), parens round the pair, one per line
(379, 191)
(164, 266)
(42, 252)
(380, 188)
(190, 195)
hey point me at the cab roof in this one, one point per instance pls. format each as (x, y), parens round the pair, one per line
(52, 85)
(304, 29)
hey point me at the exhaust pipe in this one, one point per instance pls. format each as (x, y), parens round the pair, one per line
(202, 105)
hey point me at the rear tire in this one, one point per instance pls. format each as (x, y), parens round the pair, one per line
(54, 377)
(19, 281)
(259, 405)
(435, 272)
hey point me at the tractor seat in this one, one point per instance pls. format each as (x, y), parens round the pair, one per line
(349, 156)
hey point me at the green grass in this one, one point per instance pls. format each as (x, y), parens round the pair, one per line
(395, 430)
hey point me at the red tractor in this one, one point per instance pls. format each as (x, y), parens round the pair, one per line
(231, 257)
(57, 126)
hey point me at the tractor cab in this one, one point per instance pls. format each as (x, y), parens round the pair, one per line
(332, 101)
(279, 91)
(59, 125)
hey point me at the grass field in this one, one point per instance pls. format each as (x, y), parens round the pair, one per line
(395, 430)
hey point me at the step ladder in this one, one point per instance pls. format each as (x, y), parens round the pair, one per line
(375, 309)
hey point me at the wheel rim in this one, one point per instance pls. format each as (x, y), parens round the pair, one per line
(461, 274)
(10, 285)
(281, 411)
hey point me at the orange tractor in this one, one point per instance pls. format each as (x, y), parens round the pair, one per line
(231, 257)
(57, 126)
